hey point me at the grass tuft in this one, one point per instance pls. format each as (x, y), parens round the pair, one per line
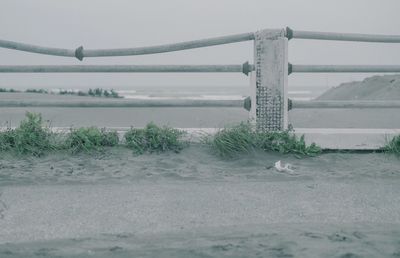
(242, 138)
(229, 142)
(393, 146)
(31, 137)
(153, 138)
(89, 139)
(40, 91)
(7, 140)
(8, 90)
(286, 142)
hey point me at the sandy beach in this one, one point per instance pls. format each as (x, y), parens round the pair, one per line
(159, 129)
(196, 204)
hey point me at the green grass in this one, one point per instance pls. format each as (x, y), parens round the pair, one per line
(393, 146)
(97, 92)
(153, 138)
(89, 139)
(229, 142)
(7, 140)
(8, 90)
(242, 138)
(41, 91)
(31, 137)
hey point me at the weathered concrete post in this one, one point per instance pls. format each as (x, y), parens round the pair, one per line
(269, 109)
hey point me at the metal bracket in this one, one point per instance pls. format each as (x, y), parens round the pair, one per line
(79, 53)
(246, 68)
(289, 33)
(290, 68)
(247, 103)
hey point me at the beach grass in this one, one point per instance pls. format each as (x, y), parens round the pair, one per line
(97, 92)
(393, 146)
(230, 141)
(243, 138)
(154, 138)
(8, 90)
(89, 139)
(40, 91)
(31, 137)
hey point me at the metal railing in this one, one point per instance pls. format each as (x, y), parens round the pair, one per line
(344, 68)
(294, 34)
(125, 68)
(294, 104)
(265, 41)
(81, 53)
(298, 34)
(120, 103)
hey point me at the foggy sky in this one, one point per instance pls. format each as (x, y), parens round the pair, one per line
(131, 23)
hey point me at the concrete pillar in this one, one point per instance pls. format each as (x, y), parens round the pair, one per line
(269, 81)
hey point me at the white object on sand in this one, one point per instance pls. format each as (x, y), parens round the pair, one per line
(287, 168)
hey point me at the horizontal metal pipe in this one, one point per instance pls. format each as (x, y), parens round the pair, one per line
(169, 47)
(122, 68)
(121, 103)
(297, 34)
(37, 49)
(345, 68)
(344, 104)
(80, 52)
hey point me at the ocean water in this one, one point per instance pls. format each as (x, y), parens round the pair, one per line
(213, 93)
(229, 92)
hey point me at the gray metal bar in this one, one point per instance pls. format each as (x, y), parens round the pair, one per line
(345, 68)
(80, 52)
(297, 34)
(295, 104)
(36, 49)
(169, 47)
(122, 68)
(121, 103)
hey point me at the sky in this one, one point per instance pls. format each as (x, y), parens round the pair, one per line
(133, 23)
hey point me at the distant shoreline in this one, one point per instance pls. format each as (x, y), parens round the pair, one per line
(379, 87)
(97, 92)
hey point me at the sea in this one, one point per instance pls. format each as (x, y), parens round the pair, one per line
(225, 92)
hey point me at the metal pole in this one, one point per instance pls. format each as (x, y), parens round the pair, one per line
(121, 103)
(295, 104)
(297, 34)
(125, 68)
(37, 49)
(344, 68)
(80, 52)
(169, 47)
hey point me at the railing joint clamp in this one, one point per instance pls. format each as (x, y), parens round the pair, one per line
(290, 68)
(79, 53)
(289, 33)
(246, 68)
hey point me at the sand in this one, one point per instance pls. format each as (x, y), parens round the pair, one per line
(194, 204)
